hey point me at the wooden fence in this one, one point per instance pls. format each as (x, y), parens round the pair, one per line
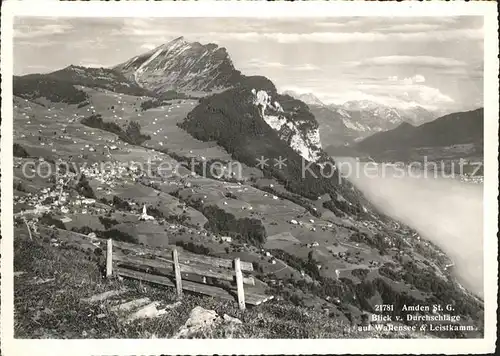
(217, 277)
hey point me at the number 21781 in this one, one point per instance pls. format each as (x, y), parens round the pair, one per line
(383, 307)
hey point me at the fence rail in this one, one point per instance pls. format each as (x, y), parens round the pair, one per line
(189, 271)
(214, 276)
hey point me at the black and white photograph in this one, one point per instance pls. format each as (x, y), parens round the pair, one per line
(254, 175)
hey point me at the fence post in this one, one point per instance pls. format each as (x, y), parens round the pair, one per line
(239, 283)
(177, 269)
(109, 259)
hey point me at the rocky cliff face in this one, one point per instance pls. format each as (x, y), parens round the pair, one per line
(252, 121)
(301, 135)
(182, 66)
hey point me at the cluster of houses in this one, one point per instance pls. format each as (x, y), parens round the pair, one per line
(271, 195)
(109, 174)
(267, 254)
(56, 200)
(313, 244)
(373, 226)
(59, 199)
(310, 224)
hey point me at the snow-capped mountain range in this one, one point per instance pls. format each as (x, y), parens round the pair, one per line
(308, 98)
(366, 117)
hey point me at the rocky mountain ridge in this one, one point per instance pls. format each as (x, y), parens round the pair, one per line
(182, 66)
(308, 98)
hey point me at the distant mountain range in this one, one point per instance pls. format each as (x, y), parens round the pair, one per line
(457, 135)
(332, 126)
(453, 129)
(308, 98)
(343, 124)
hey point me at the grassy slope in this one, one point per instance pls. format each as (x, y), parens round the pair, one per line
(54, 310)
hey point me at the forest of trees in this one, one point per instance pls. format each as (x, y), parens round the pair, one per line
(309, 266)
(120, 204)
(221, 222)
(173, 95)
(131, 135)
(340, 208)
(224, 223)
(377, 241)
(443, 291)
(194, 248)
(48, 220)
(36, 86)
(20, 151)
(163, 99)
(113, 234)
(83, 188)
(107, 222)
(151, 104)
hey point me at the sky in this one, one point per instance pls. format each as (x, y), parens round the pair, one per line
(434, 62)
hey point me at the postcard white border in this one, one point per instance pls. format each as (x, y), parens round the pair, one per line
(311, 9)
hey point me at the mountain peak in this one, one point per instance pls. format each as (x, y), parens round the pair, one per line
(404, 126)
(182, 66)
(308, 98)
(178, 39)
(360, 105)
(176, 42)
